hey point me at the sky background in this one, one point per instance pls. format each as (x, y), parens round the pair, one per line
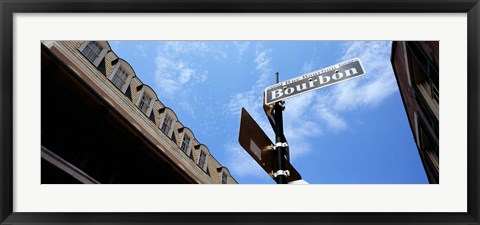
(354, 132)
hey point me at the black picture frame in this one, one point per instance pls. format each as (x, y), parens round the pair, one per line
(10, 7)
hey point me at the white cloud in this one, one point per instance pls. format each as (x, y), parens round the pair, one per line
(367, 91)
(252, 101)
(166, 77)
(218, 50)
(332, 119)
(298, 105)
(308, 67)
(115, 44)
(175, 74)
(185, 75)
(173, 71)
(299, 135)
(177, 71)
(187, 106)
(263, 62)
(299, 126)
(200, 76)
(141, 50)
(242, 47)
(239, 100)
(378, 82)
(182, 47)
(240, 163)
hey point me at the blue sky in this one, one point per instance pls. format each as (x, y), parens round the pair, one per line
(355, 132)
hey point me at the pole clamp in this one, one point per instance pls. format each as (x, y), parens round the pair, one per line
(281, 172)
(282, 104)
(280, 144)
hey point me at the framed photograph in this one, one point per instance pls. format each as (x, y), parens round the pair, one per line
(112, 110)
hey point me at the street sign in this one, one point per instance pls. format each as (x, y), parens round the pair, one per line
(311, 81)
(252, 138)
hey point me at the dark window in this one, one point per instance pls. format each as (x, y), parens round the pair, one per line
(430, 151)
(92, 51)
(120, 78)
(423, 71)
(144, 103)
(128, 93)
(167, 124)
(224, 178)
(185, 143)
(202, 159)
(431, 119)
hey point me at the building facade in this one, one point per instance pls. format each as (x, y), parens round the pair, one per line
(415, 64)
(101, 124)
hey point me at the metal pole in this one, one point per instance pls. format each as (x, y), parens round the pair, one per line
(280, 146)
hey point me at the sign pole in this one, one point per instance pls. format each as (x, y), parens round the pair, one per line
(281, 143)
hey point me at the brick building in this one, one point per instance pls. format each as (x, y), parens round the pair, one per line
(101, 124)
(415, 64)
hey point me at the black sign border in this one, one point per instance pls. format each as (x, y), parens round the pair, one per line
(10, 7)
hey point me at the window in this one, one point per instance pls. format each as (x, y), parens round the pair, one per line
(167, 124)
(424, 72)
(202, 159)
(92, 51)
(430, 153)
(430, 118)
(146, 99)
(145, 103)
(120, 78)
(185, 144)
(95, 52)
(224, 178)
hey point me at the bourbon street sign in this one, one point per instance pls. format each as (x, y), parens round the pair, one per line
(311, 81)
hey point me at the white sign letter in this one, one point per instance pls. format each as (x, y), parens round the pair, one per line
(337, 75)
(302, 87)
(323, 79)
(277, 93)
(353, 70)
(289, 90)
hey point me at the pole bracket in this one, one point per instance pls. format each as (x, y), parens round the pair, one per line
(282, 104)
(280, 144)
(281, 172)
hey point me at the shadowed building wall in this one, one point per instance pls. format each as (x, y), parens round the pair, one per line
(101, 124)
(416, 67)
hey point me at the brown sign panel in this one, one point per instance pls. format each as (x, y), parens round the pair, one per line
(258, 145)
